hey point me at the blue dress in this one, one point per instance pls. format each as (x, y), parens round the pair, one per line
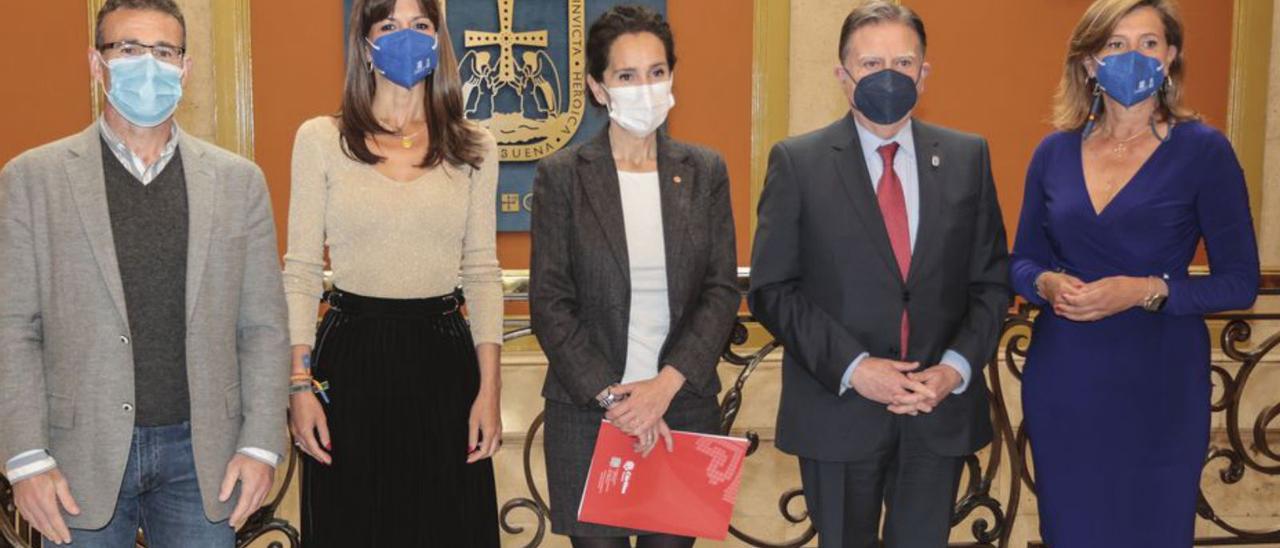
(1117, 410)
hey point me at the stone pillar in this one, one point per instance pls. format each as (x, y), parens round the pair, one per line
(816, 98)
(1268, 216)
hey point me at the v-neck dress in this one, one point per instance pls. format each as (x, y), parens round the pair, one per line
(1117, 410)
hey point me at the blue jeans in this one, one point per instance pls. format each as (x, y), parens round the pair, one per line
(160, 495)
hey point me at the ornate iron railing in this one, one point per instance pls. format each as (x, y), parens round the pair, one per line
(994, 513)
(976, 496)
(1248, 450)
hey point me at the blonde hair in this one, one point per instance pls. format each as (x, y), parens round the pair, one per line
(1076, 90)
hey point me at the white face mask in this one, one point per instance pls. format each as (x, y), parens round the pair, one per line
(641, 110)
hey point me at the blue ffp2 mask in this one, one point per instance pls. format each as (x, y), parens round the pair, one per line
(1130, 77)
(406, 57)
(144, 90)
(885, 97)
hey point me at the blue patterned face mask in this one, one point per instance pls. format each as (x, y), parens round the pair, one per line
(1130, 77)
(144, 91)
(406, 57)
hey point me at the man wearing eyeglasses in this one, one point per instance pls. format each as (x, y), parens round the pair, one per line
(142, 319)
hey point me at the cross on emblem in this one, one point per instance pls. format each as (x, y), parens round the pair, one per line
(507, 39)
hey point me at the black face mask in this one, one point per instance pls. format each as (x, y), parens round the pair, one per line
(885, 97)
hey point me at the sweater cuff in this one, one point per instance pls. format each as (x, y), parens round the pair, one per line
(485, 312)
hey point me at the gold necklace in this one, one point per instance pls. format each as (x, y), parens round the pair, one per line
(406, 141)
(1120, 148)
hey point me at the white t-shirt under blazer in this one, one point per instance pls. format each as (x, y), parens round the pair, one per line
(650, 318)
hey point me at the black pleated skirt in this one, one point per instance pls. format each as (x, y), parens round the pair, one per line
(403, 375)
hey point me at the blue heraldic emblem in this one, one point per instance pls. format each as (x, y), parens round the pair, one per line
(523, 71)
(520, 95)
(523, 68)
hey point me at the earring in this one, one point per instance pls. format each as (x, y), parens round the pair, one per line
(1155, 132)
(1093, 111)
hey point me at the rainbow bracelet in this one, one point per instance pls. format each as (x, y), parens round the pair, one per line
(321, 388)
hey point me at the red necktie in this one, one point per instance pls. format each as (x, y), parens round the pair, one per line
(893, 207)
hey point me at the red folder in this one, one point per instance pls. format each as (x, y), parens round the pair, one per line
(689, 491)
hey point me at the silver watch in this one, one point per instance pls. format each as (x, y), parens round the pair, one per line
(608, 399)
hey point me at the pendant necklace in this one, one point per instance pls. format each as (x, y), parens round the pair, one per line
(1121, 146)
(406, 141)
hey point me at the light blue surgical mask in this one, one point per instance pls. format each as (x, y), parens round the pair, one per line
(144, 90)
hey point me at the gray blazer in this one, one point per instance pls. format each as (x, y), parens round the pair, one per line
(66, 368)
(580, 289)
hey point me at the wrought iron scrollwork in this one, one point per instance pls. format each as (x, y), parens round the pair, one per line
(1248, 451)
(266, 521)
(1241, 457)
(1248, 448)
(534, 503)
(991, 529)
(1232, 463)
(730, 406)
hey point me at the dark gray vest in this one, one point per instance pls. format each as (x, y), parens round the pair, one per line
(149, 224)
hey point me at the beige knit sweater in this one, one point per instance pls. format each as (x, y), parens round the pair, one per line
(387, 238)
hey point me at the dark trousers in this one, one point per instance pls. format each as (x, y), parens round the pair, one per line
(916, 487)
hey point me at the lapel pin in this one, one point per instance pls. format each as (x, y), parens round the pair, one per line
(935, 161)
(678, 180)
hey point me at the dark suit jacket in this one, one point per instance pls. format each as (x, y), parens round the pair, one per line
(825, 283)
(580, 290)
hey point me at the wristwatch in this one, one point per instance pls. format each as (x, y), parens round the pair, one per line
(1154, 301)
(608, 399)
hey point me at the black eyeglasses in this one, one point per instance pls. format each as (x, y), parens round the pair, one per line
(162, 52)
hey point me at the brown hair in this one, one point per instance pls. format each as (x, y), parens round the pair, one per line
(620, 20)
(451, 138)
(1074, 98)
(875, 12)
(167, 7)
